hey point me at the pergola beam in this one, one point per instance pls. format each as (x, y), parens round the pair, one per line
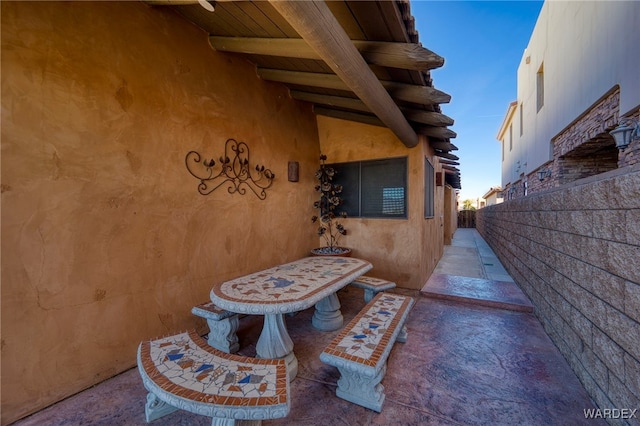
(209, 5)
(399, 91)
(349, 116)
(446, 155)
(436, 132)
(443, 146)
(316, 24)
(448, 162)
(419, 116)
(408, 56)
(330, 101)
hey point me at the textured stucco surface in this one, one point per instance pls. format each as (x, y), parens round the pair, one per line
(401, 250)
(105, 239)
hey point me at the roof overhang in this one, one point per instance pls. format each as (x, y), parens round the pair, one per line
(507, 120)
(353, 60)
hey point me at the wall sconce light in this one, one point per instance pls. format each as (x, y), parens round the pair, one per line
(543, 174)
(627, 130)
(293, 171)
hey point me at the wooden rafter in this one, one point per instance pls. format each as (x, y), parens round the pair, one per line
(447, 155)
(436, 132)
(349, 116)
(316, 24)
(415, 115)
(398, 91)
(443, 146)
(331, 101)
(427, 117)
(409, 56)
(449, 162)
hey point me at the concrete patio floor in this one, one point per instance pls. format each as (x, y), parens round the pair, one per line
(474, 356)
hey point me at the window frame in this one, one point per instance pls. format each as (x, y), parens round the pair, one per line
(540, 88)
(429, 189)
(357, 203)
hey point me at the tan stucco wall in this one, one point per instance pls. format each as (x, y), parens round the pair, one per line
(450, 214)
(105, 240)
(401, 250)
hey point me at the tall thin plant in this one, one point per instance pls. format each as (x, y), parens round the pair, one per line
(328, 226)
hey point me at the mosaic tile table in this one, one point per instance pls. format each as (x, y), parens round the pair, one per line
(288, 288)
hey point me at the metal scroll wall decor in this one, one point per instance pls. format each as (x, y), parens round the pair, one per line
(233, 169)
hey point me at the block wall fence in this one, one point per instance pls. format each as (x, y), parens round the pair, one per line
(575, 251)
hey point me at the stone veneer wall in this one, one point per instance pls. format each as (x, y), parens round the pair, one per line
(575, 251)
(600, 119)
(631, 154)
(590, 131)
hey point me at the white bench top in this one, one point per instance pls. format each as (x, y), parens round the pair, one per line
(209, 310)
(183, 371)
(367, 340)
(378, 284)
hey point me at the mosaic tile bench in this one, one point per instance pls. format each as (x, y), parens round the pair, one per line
(361, 349)
(183, 372)
(372, 286)
(222, 324)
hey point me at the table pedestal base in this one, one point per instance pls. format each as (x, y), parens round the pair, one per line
(274, 342)
(327, 316)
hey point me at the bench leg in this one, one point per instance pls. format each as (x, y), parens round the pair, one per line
(402, 336)
(327, 316)
(369, 294)
(364, 391)
(155, 408)
(222, 334)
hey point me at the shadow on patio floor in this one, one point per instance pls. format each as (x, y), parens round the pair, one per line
(463, 363)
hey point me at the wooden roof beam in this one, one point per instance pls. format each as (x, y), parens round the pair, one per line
(209, 5)
(423, 95)
(375, 121)
(443, 146)
(448, 162)
(446, 155)
(319, 28)
(419, 116)
(330, 101)
(410, 56)
(349, 116)
(436, 132)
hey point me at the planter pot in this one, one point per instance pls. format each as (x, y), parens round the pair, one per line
(326, 251)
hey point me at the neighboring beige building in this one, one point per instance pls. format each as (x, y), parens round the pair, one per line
(575, 82)
(493, 196)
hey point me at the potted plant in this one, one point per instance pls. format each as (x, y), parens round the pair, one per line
(328, 226)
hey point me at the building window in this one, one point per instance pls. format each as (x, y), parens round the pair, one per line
(376, 188)
(429, 189)
(540, 87)
(510, 137)
(521, 123)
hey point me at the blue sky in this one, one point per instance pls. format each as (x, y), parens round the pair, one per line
(482, 43)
